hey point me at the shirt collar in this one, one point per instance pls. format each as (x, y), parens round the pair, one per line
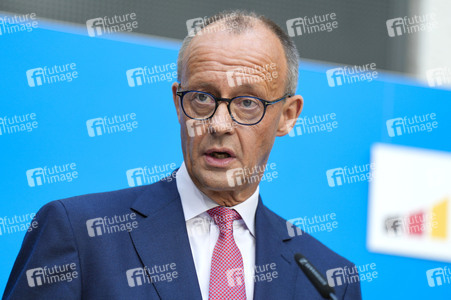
(194, 202)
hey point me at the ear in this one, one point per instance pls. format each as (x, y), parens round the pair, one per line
(290, 113)
(176, 99)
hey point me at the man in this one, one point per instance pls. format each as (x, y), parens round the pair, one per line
(207, 234)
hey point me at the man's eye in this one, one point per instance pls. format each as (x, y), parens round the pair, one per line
(202, 97)
(248, 103)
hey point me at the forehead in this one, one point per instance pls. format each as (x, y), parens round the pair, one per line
(222, 50)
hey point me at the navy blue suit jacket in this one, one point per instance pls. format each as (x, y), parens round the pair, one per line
(77, 253)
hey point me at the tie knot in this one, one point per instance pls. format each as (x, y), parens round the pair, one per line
(223, 217)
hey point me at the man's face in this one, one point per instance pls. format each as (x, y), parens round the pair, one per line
(223, 144)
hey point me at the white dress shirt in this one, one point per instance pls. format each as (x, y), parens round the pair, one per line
(203, 233)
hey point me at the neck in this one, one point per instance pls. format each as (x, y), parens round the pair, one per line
(229, 198)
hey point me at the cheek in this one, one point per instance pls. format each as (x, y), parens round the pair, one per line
(255, 141)
(190, 138)
(260, 138)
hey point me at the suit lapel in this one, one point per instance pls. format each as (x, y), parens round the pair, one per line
(161, 239)
(271, 248)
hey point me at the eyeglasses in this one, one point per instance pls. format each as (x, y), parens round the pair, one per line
(245, 110)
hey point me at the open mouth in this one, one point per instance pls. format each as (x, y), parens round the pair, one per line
(219, 155)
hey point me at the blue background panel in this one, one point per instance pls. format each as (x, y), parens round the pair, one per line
(300, 190)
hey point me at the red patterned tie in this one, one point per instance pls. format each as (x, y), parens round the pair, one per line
(227, 274)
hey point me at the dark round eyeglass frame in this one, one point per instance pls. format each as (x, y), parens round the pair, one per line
(228, 101)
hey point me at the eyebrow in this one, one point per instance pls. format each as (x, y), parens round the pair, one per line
(244, 89)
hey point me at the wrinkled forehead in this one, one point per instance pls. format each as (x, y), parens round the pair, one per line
(256, 50)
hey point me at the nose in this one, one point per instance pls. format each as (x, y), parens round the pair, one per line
(221, 121)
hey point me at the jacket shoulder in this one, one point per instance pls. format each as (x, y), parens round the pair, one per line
(103, 202)
(304, 243)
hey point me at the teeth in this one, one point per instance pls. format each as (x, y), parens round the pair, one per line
(220, 155)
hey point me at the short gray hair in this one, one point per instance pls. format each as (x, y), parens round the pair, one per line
(239, 21)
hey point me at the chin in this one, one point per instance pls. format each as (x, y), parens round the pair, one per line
(214, 181)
